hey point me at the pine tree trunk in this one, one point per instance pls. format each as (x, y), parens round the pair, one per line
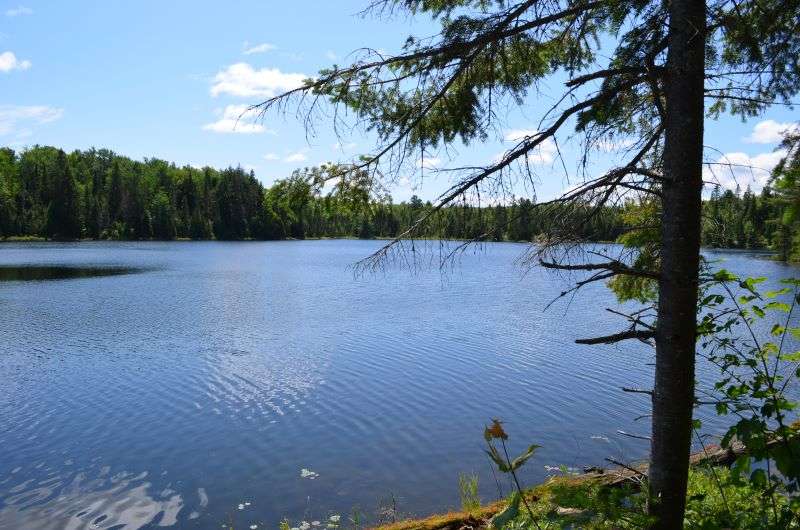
(673, 392)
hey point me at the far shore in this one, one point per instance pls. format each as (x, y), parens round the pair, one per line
(40, 239)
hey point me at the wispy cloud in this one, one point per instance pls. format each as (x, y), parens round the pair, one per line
(235, 119)
(250, 49)
(609, 145)
(339, 146)
(740, 169)
(13, 117)
(9, 62)
(271, 156)
(543, 154)
(430, 162)
(770, 132)
(19, 11)
(299, 156)
(331, 55)
(243, 80)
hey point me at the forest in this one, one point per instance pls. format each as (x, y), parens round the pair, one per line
(98, 194)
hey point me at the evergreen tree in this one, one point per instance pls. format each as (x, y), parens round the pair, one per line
(63, 220)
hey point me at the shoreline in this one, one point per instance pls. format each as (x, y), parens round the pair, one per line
(40, 239)
(620, 476)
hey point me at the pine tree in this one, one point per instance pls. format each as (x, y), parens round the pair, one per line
(62, 214)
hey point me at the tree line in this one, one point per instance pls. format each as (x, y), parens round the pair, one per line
(98, 194)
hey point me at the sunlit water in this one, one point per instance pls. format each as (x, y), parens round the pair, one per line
(190, 384)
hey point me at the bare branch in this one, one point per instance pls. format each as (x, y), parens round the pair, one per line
(642, 335)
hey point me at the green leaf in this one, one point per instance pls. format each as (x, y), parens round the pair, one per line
(521, 459)
(791, 357)
(723, 275)
(751, 283)
(778, 306)
(502, 465)
(773, 294)
(758, 478)
(740, 467)
(785, 458)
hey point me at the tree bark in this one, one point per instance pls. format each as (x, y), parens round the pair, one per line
(673, 391)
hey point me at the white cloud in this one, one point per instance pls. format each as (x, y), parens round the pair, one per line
(13, 116)
(299, 156)
(18, 11)
(235, 119)
(339, 146)
(770, 132)
(271, 156)
(731, 169)
(243, 80)
(331, 55)
(543, 154)
(265, 47)
(517, 135)
(430, 162)
(9, 61)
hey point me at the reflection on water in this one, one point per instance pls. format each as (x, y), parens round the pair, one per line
(89, 499)
(32, 273)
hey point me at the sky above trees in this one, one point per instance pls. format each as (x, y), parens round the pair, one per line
(171, 79)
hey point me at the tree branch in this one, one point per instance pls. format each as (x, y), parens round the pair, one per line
(642, 335)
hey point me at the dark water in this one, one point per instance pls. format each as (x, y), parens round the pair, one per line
(29, 273)
(199, 377)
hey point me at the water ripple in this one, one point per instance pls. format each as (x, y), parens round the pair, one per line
(172, 397)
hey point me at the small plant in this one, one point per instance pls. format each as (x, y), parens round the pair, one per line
(356, 519)
(468, 492)
(758, 374)
(506, 465)
(387, 510)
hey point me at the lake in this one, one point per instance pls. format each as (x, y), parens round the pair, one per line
(194, 384)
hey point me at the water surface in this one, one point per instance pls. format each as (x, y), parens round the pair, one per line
(209, 379)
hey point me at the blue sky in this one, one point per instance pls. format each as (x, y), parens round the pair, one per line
(165, 79)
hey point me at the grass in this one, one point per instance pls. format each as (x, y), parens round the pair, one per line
(468, 492)
(587, 502)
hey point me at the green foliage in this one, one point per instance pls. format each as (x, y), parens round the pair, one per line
(468, 492)
(62, 212)
(735, 220)
(641, 221)
(786, 201)
(715, 501)
(757, 370)
(509, 513)
(99, 194)
(506, 465)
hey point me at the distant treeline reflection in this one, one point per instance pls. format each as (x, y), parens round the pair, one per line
(28, 273)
